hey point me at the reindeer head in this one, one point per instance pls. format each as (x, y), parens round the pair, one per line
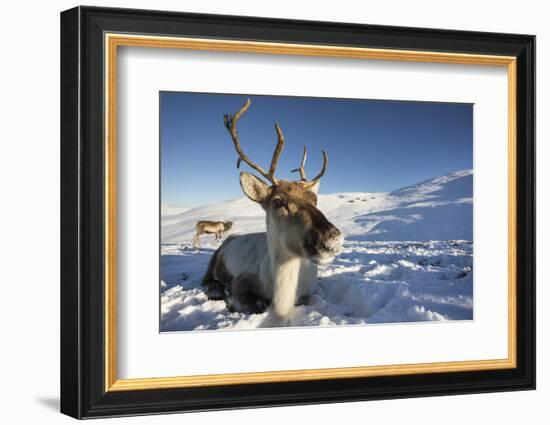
(294, 224)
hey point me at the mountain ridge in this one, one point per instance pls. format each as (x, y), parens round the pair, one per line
(439, 208)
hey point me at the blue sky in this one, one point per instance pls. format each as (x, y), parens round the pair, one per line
(373, 146)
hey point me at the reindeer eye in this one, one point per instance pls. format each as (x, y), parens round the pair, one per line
(277, 203)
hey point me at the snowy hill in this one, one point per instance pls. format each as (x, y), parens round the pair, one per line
(407, 257)
(168, 212)
(437, 209)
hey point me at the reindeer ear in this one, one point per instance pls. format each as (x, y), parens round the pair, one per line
(313, 186)
(254, 188)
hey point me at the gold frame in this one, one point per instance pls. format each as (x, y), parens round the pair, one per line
(113, 41)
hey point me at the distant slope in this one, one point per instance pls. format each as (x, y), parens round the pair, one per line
(246, 215)
(168, 212)
(436, 209)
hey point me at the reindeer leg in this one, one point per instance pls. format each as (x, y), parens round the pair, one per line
(214, 290)
(244, 297)
(303, 300)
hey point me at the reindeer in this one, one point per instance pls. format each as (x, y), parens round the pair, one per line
(211, 228)
(276, 268)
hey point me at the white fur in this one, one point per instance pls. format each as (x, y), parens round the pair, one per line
(281, 276)
(293, 276)
(285, 287)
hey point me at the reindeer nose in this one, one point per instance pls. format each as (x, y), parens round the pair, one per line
(332, 242)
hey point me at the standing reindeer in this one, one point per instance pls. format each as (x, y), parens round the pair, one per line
(279, 266)
(211, 228)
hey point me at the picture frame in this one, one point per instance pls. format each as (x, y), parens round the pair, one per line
(90, 40)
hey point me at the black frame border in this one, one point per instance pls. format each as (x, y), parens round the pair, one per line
(82, 206)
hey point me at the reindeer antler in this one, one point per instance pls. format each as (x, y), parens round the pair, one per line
(230, 122)
(302, 170)
(323, 169)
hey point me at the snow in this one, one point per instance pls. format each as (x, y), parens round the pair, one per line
(169, 213)
(168, 210)
(407, 257)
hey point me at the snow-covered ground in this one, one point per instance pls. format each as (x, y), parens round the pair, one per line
(407, 257)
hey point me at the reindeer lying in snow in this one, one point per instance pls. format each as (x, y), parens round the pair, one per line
(211, 228)
(278, 267)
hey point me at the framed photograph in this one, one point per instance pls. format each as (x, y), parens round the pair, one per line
(261, 212)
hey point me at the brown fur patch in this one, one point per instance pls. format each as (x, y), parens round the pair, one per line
(294, 192)
(312, 229)
(209, 227)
